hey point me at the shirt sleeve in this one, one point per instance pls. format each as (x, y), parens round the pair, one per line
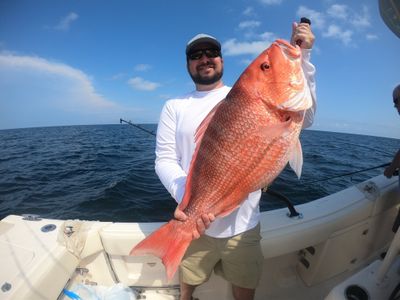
(167, 164)
(309, 73)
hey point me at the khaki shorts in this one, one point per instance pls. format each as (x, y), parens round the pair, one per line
(238, 259)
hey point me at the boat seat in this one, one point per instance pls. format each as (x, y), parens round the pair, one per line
(25, 249)
(118, 240)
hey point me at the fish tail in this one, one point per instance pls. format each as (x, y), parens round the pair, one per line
(169, 243)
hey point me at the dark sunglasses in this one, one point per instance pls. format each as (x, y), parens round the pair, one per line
(210, 53)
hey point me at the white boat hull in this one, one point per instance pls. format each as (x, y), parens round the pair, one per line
(305, 258)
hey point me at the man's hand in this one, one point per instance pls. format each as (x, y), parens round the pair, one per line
(302, 35)
(389, 171)
(202, 223)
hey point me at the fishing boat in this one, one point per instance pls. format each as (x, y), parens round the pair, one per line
(341, 246)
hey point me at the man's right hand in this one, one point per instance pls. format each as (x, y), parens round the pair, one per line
(203, 222)
(389, 171)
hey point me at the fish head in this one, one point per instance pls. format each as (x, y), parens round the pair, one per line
(276, 77)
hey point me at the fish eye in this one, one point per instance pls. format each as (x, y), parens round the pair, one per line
(264, 66)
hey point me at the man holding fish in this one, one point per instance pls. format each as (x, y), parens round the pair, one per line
(395, 164)
(217, 147)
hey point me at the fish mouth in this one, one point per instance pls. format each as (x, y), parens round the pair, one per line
(291, 52)
(285, 44)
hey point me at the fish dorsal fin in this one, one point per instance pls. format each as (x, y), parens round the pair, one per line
(296, 158)
(198, 136)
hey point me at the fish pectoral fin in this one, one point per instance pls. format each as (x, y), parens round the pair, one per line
(296, 158)
(270, 132)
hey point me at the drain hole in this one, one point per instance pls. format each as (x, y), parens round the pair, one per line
(355, 292)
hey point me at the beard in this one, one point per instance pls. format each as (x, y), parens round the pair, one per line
(206, 80)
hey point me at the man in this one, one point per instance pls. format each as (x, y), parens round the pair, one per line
(230, 246)
(395, 164)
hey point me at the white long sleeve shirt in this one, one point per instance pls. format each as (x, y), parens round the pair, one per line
(175, 146)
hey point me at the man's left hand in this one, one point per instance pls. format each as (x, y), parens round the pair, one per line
(302, 35)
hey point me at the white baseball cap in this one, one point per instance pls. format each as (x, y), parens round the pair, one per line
(202, 38)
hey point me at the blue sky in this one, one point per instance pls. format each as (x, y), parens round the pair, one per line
(92, 62)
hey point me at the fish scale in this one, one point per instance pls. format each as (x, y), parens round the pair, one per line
(241, 146)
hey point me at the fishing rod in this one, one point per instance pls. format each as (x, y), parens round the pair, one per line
(396, 173)
(137, 126)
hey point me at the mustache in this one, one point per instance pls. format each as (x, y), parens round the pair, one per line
(206, 64)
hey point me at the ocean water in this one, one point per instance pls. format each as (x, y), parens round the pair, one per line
(106, 172)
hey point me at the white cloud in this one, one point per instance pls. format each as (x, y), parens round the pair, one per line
(233, 47)
(249, 24)
(268, 37)
(246, 62)
(66, 22)
(317, 18)
(142, 67)
(48, 93)
(339, 22)
(249, 12)
(339, 11)
(139, 83)
(271, 2)
(117, 76)
(361, 20)
(79, 83)
(371, 37)
(336, 32)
